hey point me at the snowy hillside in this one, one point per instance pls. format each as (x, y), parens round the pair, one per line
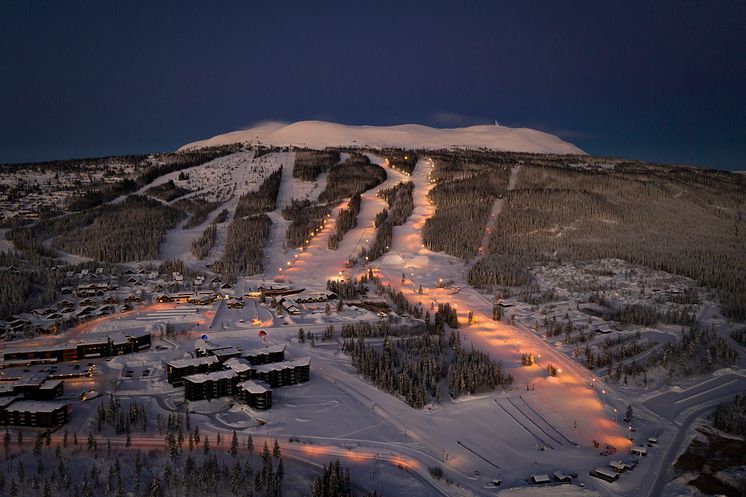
(320, 134)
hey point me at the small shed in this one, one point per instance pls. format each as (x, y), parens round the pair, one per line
(604, 474)
(639, 451)
(562, 477)
(540, 479)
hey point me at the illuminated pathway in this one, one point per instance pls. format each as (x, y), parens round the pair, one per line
(565, 408)
(568, 399)
(315, 261)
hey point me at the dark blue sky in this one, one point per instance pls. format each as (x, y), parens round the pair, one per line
(661, 81)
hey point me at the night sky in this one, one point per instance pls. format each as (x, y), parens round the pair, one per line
(660, 81)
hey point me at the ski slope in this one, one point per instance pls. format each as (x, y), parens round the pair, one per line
(321, 134)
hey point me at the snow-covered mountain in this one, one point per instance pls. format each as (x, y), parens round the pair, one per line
(320, 134)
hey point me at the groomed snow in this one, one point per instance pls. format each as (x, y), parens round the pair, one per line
(320, 134)
(547, 491)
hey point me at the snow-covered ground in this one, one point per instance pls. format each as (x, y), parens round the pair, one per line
(544, 424)
(320, 134)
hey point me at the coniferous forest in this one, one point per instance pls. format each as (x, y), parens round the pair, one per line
(346, 220)
(463, 205)
(415, 368)
(681, 220)
(355, 175)
(310, 163)
(400, 206)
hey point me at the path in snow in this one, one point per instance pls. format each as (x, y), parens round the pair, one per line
(317, 263)
(563, 400)
(497, 207)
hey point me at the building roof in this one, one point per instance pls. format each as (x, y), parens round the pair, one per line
(255, 387)
(236, 364)
(35, 406)
(31, 380)
(217, 375)
(605, 471)
(279, 366)
(4, 401)
(271, 349)
(50, 384)
(225, 351)
(192, 361)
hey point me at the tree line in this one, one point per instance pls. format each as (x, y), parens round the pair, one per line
(310, 163)
(413, 368)
(305, 217)
(462, 209)
(264, 199)
(355, 175)
(400, 206)
(244, 248)
(346, 220)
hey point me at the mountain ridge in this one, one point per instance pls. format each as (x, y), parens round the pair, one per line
(321, 134)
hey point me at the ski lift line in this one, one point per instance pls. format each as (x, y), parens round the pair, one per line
(547, 422)
(532, 421)
(478, 455)
(522, 425)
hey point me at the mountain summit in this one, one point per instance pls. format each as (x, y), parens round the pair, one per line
(320, 134)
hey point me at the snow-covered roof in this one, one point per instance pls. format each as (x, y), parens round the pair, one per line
(50, 384)
(192, 361)
(237, 365)
(255, 387)
(35, 406)
(541, 478)
(279, 366)
(217, 375)
(271, 349)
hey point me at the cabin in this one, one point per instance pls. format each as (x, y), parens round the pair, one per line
(290, 308)
(639, 451)
(604, 474)
(562, 477)
(540, 479)
(235, 304)
(619, 466)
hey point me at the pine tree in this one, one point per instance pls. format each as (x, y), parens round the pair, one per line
(234, 444)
